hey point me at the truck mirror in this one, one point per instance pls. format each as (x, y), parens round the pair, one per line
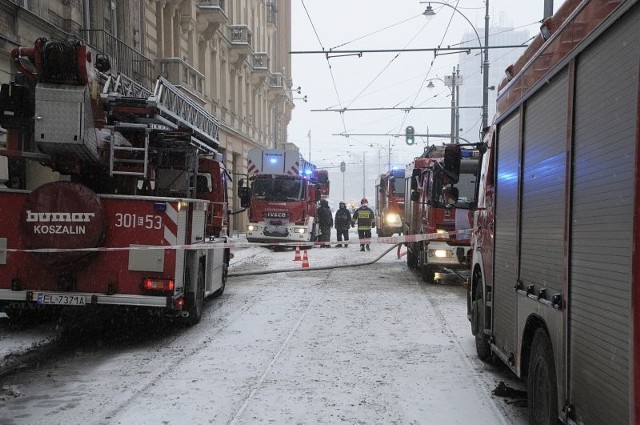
(244, 195)
(452, 158)
(241, 182)
(450, 195)
(415, 196)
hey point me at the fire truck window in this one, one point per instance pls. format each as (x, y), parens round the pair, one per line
(398, 186)
(289, 189)
(202, 185)
(260, 188)
(466, 187)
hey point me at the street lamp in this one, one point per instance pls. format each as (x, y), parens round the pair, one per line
(452, 81)
(429, 13)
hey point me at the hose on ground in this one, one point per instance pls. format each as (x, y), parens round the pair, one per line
(311, 269)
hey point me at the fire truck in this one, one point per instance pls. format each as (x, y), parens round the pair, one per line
(389, 204)
(554, 290)
(115, 195)
(438, 232)
(283, 196)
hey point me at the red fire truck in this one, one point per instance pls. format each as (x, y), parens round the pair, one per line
(389, 205)
(554, 291)
(116, 195)
(283, 196)
(441, 233)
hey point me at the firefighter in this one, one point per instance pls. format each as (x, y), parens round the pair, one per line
(364, 217)
(342, 223)
(325, 222)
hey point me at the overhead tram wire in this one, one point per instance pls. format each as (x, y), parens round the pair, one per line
(333, 79)
(426, 76)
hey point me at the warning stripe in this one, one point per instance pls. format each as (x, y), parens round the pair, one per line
(390, 240)
(294, 170)
(171, 225)
(251, 167)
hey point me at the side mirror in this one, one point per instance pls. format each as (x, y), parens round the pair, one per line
(452, 158)
(241, 182)
(450, 195)
(415, 196)
(245, 196)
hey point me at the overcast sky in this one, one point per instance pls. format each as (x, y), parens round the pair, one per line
(381, 80)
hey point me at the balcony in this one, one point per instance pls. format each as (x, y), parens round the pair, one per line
(276, 85)
(182, 75)
(260, 67)
(276, 81)
(124, 59)
(241, 39)
(210, 15)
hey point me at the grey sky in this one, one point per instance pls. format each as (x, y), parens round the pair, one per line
(377, 80)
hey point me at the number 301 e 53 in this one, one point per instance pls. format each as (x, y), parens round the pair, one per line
(148, 221)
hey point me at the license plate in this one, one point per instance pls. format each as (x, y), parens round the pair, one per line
(61, 299)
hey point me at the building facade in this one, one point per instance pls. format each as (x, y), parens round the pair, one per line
(230, 57)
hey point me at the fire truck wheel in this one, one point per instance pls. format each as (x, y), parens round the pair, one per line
(412, 260)
(541, 382)
(483, 348)
(428, 274)
(194, 298)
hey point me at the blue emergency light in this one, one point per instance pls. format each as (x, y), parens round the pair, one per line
(273, 160)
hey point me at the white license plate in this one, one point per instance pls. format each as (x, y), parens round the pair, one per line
(61, 299)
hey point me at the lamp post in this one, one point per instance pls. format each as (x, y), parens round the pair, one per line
(429, 13)
(452, 81)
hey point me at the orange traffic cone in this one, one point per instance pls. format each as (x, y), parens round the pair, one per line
(298, 257)
(305, 261)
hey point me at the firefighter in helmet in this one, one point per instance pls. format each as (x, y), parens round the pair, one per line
(365, 220)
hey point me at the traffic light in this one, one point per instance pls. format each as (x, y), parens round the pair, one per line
(409, 135)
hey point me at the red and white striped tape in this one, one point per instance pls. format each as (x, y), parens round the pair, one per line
(390, 240)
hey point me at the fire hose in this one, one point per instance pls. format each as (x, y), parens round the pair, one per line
(310, 269)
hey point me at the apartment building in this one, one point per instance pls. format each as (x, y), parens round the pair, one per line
(231, 57)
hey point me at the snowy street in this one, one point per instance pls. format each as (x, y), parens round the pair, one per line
(370, 344)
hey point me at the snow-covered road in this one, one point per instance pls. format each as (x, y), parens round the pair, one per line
(370, 344)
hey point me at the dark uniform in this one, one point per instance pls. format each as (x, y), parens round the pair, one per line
(365, 219)
(325, 222)
(342, 224)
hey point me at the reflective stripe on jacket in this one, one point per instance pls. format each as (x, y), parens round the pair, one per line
(364, 217)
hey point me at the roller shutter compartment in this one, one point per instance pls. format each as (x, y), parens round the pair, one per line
(606, 104)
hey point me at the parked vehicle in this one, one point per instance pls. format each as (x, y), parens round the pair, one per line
(441, 233)
(554, 286)
(115, 197)
(283, 196)
(389, 204)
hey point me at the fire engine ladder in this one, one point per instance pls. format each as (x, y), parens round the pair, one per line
(118, 87)
(174, 110)
(177, 110)
(134, 161)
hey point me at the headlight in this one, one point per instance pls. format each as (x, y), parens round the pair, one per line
(392, 218)
(299, 229)
(251, 228)
(440, 253)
